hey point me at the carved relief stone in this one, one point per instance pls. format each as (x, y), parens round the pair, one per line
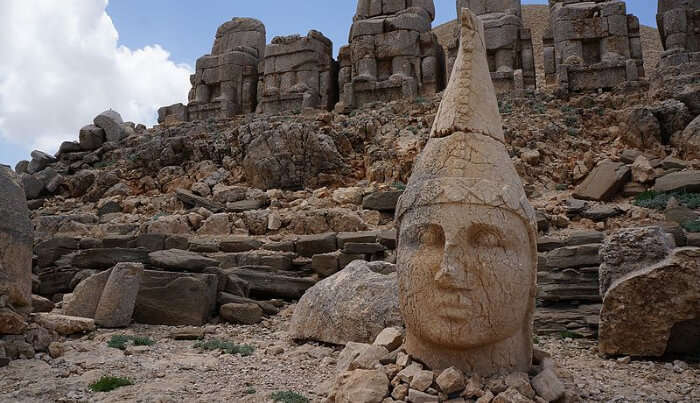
(392, 53)
(226, 81)
(591, 45)
(467, 241)
(508, 43)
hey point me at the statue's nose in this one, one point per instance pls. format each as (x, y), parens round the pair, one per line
(452, 273)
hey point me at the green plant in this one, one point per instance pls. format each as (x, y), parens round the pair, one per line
(142, 341)
(399, 186)
(289, 397)
(572, 132)
(535, 340)
(505, 108)
(571, 121)
(109, 383)
(566, 334)
(120, 341)
(562, 187)
(226, 346)
(539, 108)
(250, 391)
(420, 100)
(658, 201)
(566, 109)
(692, 226)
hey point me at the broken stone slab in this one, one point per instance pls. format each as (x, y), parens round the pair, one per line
(16, 241)
(604, 182)
(175, 299)
(325, 264)
(573, 257)
(180, 260)
(642, 309)
(102, 258)
(601, 213)
(355, 304)
(242, 244)
(688, 181)
(357, 237)
(310, 245)
(631, 249)
(361, 386)
(381, 201)
(281, 261)
(192, 200)
(118, 299)
(63, 324)
(246, 313)
(245, 205)
(86, 296)
(224, 298)
(266, 284)
(353, 248)
(41, 304)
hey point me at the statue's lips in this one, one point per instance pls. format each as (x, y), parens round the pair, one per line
(455, 305)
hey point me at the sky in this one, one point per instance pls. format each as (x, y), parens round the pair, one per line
(62, 62)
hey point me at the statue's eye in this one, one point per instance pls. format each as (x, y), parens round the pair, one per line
(432, 235)
(485, 236)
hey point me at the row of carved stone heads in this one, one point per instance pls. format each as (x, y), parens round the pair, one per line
(393, 53)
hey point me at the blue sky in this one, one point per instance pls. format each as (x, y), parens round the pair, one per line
(186, 29)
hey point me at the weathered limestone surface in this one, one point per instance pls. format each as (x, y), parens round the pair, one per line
(508, 44)
(118, 298)
(679, 27)
(632, 249)
(355, 304)
(591, 45)
(392, 53)
(226, 81)
(646, 309)
(299, 73)
(16, 238)
(467, 252)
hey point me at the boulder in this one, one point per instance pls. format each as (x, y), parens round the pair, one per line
(11, 322)
(688, 181)
(63, 324)
(689, 140)
(91, 137)
(41, 304)
(111, 122)
(247, 314)
(118, 298)
(40, 160)
(643, 309)
(355, 304)
(51, 250)
(175, 299)
(631, 249)
(180, 260)
(31, 185)
(603, 183)
(16, 241)
(361, 386)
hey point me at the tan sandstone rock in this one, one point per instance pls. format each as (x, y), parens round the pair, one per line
(467, 240)
(118, 298)
(64, 325)
(361, 386)
(641, 309)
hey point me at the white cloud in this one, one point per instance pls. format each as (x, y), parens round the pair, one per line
(60, 65)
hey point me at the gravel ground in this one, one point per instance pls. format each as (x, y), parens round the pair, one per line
(174, 371)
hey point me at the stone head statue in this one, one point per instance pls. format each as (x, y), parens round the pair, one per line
(481, 7)
(240, 35)
(467, 240)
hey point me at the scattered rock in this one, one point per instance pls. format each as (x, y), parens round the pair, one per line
(247, 314)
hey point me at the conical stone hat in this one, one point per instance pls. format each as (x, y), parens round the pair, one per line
(465, 160)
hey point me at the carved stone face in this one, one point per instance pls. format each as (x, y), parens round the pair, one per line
(466, 274)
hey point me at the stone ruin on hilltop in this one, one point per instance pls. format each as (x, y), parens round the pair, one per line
(393, 54)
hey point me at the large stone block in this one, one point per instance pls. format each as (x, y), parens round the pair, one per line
(642, 310)
(16, 238)
(118, 298)
(604, 182)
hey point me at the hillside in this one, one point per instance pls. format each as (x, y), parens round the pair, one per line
(537, 17)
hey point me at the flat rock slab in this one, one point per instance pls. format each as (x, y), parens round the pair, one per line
(686, 180)
(381, 201)
(64, 325)
(180, 260)
(192, 200)
(603, 183)
(105, 258)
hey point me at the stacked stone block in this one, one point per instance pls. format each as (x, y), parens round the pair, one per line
(299, 72)
(226, 81)
(508, 43)
(392, 53)
(591, 45)
(679, 27)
